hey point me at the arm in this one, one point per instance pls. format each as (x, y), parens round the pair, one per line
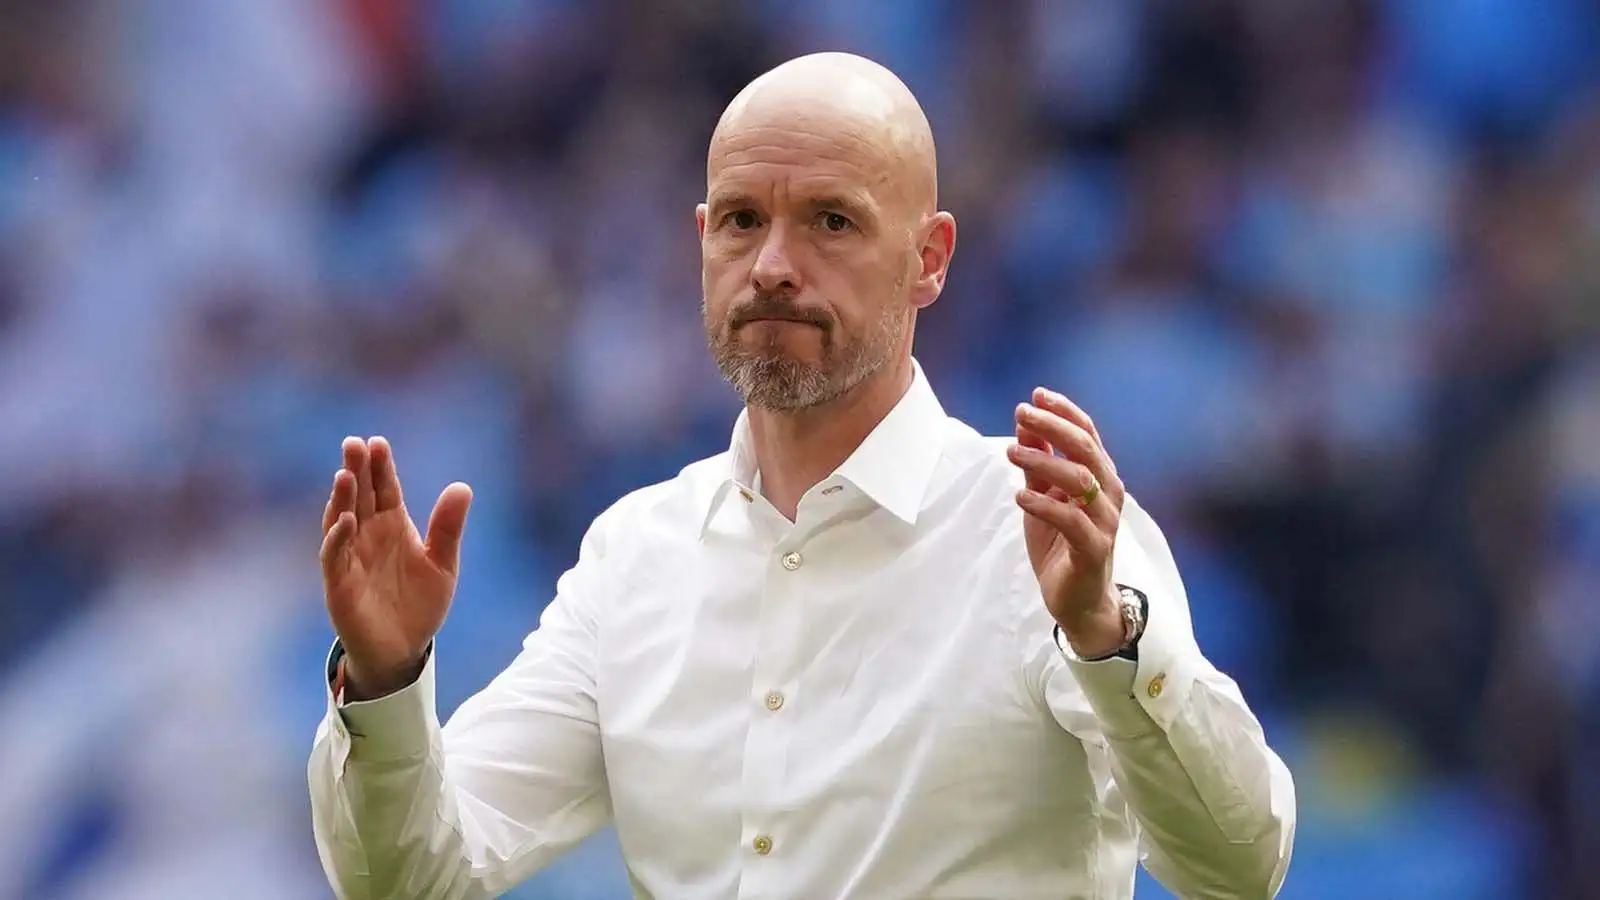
(1187, 756)
(404, 808)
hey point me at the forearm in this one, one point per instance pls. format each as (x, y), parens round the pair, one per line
(385, 824)
(405, 808)
(1216, 804)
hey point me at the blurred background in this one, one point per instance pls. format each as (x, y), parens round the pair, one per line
(1326, 273)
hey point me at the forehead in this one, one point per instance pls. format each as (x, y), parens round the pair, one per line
(803, 153)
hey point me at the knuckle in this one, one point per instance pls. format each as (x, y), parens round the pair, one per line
(1084, 442)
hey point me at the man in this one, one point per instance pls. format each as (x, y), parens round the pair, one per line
(836, 661)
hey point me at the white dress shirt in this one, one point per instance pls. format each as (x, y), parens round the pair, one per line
(867, 702)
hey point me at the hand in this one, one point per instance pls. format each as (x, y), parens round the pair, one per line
(1069, 541)
(387, 589)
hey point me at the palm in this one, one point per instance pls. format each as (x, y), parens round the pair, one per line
(386, 586)
(389, 598)
(1059, 572)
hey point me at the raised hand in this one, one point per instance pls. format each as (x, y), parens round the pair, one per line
(1072, 504)
(387, 588)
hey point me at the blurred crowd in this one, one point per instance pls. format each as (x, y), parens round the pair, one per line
(1326, 273)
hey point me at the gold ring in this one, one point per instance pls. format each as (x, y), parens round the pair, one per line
(1090, 492)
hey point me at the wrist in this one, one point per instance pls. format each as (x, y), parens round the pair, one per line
(358, 683)
(1099, 632)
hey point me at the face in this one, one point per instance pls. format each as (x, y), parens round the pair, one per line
(811, 263)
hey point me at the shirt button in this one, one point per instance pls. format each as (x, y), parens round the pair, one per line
(1156, 686)
(774, 701)
(833, 490)
(792, 560)
(748, 497)
(762, 844)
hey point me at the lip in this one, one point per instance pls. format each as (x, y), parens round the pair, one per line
(780, 321)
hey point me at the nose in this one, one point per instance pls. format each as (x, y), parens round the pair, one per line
(775, 270)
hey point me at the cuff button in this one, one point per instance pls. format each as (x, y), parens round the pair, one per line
(1156, 686)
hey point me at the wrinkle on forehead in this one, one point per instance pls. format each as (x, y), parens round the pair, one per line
(861, 110)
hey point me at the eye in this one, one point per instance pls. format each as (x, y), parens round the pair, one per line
(834, 222)
(741, 219)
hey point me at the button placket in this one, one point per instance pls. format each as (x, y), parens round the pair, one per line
(765, 770)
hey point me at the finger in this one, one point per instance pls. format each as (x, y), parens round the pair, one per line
(385, 479)
(1028, 439)
(358, 459)
(335, 553)
(1068, 478)
(1067, 437)
(1044, 398)
(1084, 537)
(445, 526)
(1072, 482)
(341, 499)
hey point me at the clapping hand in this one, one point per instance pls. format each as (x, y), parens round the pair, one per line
(1072, 503)
(387, 588)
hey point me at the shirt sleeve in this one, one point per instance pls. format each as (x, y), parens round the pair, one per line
(404, 808)
(1214, 805)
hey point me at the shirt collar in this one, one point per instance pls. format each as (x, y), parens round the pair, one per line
(892, 467)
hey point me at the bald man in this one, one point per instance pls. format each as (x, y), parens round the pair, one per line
(864, 653)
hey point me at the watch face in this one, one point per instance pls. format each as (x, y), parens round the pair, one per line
(1134, 610)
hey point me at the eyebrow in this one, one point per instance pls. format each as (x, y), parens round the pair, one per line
(855, 207)
(720, 203)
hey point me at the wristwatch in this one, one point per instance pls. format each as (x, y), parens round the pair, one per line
(1135, 609)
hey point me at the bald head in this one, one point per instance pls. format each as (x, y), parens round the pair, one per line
(845, 96)
(820, 236)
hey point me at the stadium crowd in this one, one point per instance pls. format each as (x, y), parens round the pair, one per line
(1327, 275)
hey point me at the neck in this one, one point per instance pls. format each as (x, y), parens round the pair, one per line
(796, 450)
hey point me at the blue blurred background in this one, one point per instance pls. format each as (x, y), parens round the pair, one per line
(1327, 274)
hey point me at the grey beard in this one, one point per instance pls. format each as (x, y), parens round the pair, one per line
(781, 384)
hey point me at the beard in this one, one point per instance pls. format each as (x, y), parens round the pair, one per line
(769, 377)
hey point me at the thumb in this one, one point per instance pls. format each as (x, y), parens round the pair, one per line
(445, 526)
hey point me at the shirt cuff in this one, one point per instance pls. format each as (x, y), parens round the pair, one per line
(1132, 698)
(395, 727)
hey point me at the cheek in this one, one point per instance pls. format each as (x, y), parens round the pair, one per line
(723, 260)
(715, 272)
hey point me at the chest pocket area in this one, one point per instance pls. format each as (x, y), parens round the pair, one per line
(916, 691)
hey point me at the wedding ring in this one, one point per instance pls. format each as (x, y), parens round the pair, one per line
(1090, 492)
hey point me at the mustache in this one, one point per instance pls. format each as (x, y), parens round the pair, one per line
(778, 306)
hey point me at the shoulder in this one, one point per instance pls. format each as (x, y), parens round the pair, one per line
(675, 506)
(975, 469)
(978, 462)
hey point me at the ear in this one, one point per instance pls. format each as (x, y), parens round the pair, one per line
(937, 248)
(700, 220)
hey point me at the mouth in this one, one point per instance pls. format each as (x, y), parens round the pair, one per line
(778, 320)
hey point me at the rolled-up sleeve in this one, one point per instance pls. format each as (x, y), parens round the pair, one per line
(1214, 804)
(403, 807)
